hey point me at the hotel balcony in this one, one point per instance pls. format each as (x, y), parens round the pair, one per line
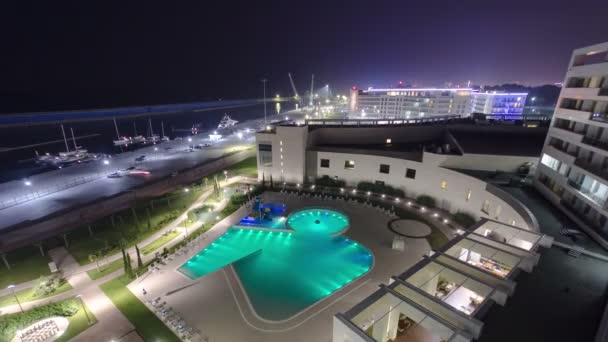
(559, 152)
(594, 169)
(587, 193)
(572, 114)
(566, 134)
(600, 116)
(596, 143)
(580, 215)
(580, 92)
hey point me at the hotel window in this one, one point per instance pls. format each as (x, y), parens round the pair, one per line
(469, 192)
(410, 173)
(384, 168)
(485, 207)
(349, 164)
(444, 185)
(325, 163)
(265, 153)
(550, 162)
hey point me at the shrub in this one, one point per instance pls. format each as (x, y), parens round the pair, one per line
(13, 322)
(330, 182)
(48, 285)
(464, 219)
(426, 201)
(380, 189)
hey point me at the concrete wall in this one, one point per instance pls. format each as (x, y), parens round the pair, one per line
(487, 162)
(31, 231)
(429, 178)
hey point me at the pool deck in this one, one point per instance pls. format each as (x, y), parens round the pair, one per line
(217, 306)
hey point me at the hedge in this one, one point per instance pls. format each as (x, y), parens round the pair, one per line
(426, 201)
(9, 324)
(330, 182)
(380, 189)
(464, 219)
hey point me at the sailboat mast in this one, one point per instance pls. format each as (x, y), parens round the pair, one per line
(134, 129)
(116, 127)
(150, 124)
(162, 127)
(74, 139)
(65, 140)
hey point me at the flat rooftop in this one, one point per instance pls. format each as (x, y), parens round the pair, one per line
(500, 140)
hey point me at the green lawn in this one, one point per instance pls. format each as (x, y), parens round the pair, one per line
(158, 243)
(70, 308)
(147, 324)
(78, 324)
(161, 212)
(29, 295)
(246, 167)
(105, 269)
(26, 264)
(164, 212)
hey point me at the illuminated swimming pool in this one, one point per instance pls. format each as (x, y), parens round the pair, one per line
(317, 221)
(284, 272)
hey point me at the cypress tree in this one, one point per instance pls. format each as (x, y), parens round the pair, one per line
(124, 258)
(140, 263)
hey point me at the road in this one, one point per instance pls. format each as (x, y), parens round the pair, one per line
(59, 189)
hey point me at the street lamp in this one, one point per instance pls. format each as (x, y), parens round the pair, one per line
(84, 309)
(27, 182)
(106, 162)
(186, 190)
(189, 139)
(226, 175)
(12, 288)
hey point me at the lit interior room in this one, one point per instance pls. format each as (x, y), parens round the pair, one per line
(484, 257)
(391, 319)
(453, 288)
(510, 235)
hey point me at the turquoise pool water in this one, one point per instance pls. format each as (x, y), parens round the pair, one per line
(317, 221)
(283, 273)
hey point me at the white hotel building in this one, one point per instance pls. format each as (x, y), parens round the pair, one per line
(573, 173)
(402, 103)
(443, 297)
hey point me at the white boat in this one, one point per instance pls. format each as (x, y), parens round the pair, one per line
(123, 141)
(138, 139)
(226, 122)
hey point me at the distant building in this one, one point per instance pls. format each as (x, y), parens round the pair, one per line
(498, 103)
(402, 103)
(573, 172)
(410, 103)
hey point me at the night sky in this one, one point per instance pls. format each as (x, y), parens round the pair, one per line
(59, 56)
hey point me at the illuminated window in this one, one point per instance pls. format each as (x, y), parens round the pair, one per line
(444, 185)
(389, 141)
(349, 164)
(281, 142)
(485, 207)
(469, 192)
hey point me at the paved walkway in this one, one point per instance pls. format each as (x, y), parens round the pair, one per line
(111, 323)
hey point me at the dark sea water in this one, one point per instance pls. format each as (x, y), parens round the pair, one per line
(20, 163)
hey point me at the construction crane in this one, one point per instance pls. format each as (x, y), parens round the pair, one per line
(296, 97)
(312, 92)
